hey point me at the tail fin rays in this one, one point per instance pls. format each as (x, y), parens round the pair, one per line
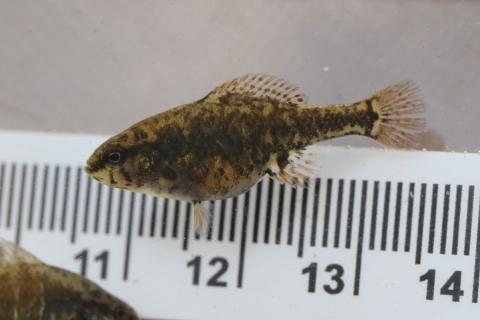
(396, 104)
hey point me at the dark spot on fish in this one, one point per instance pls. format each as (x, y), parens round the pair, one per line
(369, 118)
(173, 188)
(282, 160)
(271, 173)
(139, 134)
(123, 137)
(168, 173)
(126, 175)
(221, 171)
(369, 105)
(223, 191)
(112, 181)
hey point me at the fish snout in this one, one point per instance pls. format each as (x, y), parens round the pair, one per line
(89, 168)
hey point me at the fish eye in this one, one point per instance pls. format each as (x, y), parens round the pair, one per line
(113, 157)
(120, 313)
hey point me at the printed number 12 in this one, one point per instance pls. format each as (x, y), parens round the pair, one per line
(214, 280)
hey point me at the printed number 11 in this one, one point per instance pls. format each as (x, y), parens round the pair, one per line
(102, 257)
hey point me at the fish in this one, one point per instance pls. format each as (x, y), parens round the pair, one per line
(30, 289)
(221, 145)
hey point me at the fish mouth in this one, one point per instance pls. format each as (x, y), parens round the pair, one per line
(89, 167)
(88, 170)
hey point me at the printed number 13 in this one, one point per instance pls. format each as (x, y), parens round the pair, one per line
(337, 277)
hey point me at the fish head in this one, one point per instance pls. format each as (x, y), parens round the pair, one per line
(116, 311)
(94, 304)
(122, 312)
(126, 163)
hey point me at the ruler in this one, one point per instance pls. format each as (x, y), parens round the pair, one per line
(381, 233)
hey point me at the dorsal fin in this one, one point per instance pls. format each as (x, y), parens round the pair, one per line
(10, 253)
(262, 86)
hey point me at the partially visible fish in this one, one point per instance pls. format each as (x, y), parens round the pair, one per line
(220, 146)
(30, 289)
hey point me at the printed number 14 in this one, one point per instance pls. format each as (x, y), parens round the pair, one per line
(450, 288)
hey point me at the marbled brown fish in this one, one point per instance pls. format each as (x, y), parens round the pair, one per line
(30, 289)
(220, 146)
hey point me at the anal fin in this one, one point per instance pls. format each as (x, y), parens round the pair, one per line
(302, 166)
(201, 213)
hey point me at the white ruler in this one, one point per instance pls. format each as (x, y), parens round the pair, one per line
(381, 234)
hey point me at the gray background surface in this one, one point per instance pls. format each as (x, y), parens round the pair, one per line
(98, 67)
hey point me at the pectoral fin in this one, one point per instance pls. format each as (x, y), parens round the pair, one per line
(302, 166)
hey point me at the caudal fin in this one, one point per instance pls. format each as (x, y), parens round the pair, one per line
(397, 105)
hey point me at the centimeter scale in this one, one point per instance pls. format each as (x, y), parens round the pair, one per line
(381, 233)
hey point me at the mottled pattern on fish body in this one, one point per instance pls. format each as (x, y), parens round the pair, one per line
(220, 146)
(30, 289)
